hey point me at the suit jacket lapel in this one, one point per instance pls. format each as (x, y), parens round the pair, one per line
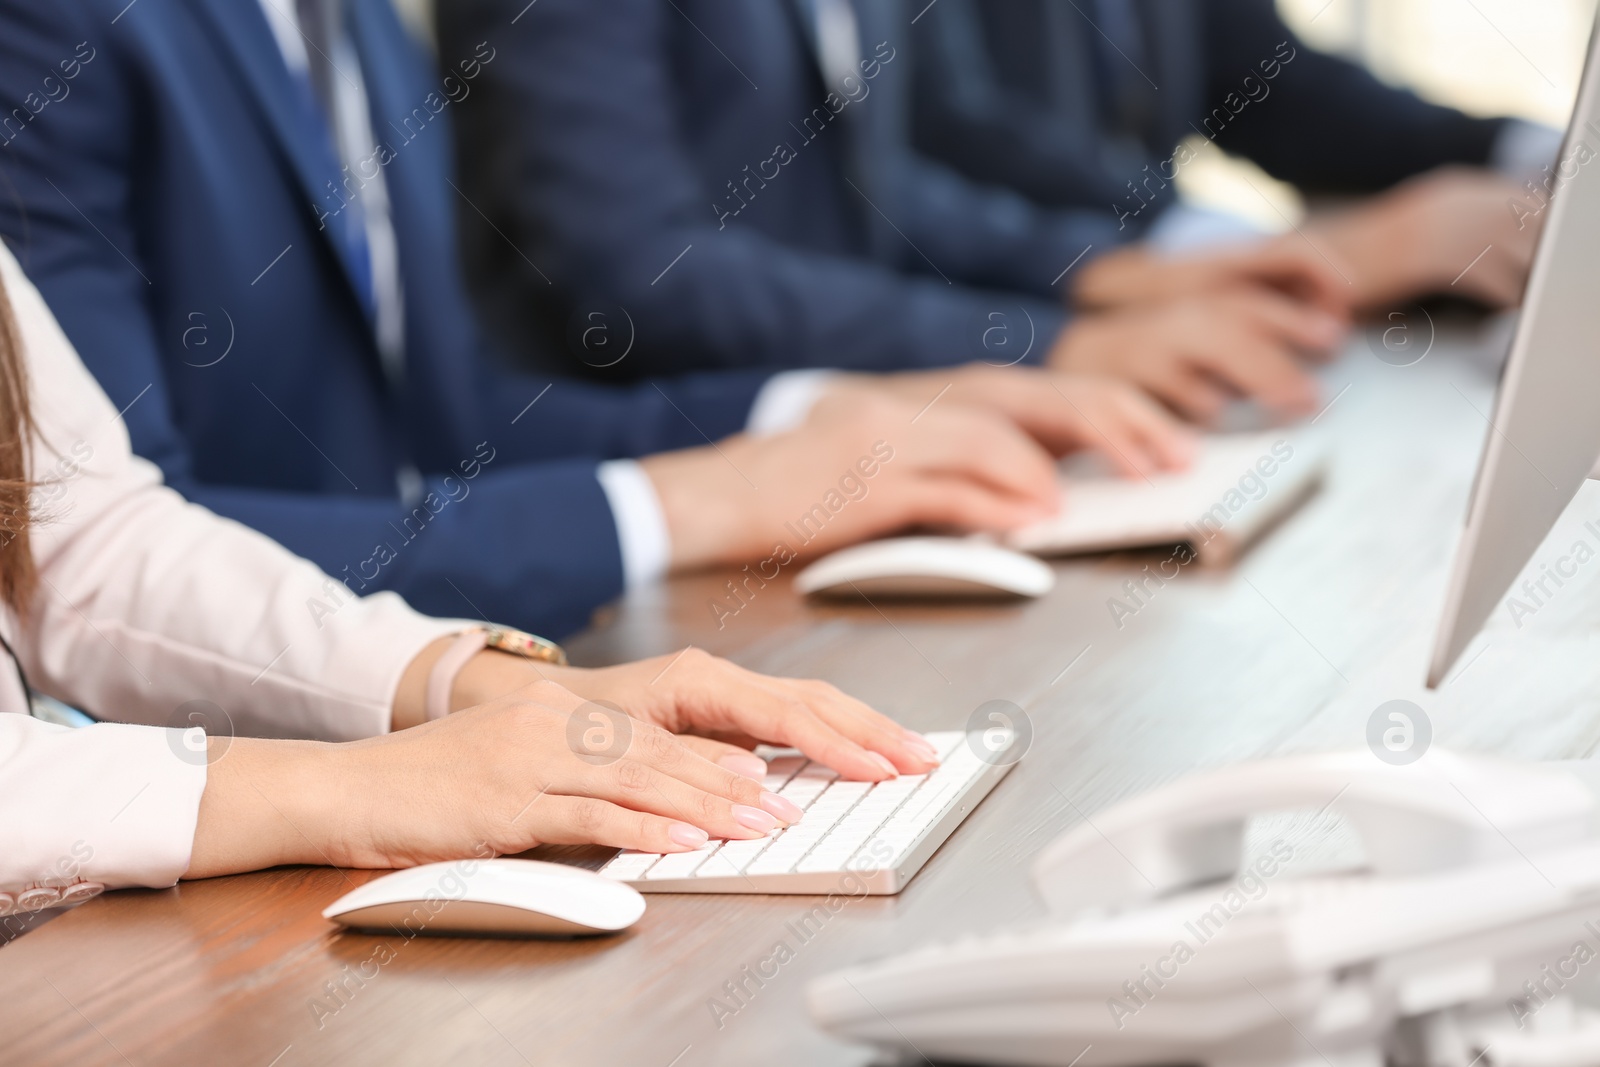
(241, 28)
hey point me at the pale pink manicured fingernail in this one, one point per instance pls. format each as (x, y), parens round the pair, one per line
(754, 818)
(883, 761)
(783, 809)
(687, 836)
(745, 764)
(921, 747)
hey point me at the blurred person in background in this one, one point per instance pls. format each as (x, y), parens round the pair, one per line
(733, 185)
(242, 215)
(1100, 105)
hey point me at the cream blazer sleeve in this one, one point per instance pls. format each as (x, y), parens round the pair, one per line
(147, 604)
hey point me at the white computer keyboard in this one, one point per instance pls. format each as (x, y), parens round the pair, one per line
(1239, 484)
(881, 833)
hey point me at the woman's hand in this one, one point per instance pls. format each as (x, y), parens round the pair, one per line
(729, 707)
(542, 766)
(694, 692)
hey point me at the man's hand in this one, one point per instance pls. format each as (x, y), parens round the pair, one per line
(865, 463)
(1064, 412)
(1449, 231)
(1198, 353)
(1288, 264)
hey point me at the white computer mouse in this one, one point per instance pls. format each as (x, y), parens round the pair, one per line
(927, 566)
(498, 896)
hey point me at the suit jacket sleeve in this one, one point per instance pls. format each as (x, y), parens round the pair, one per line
(551, 415)
(1325, 124)
(603, 189)
(147, 604)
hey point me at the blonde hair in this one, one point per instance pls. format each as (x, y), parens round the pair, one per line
(18, 578)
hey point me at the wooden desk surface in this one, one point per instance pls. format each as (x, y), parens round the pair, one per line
(1290, 650)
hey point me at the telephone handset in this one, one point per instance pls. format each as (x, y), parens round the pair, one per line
(1159, 949)
(1411, 819)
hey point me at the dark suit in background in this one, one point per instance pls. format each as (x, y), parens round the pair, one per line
(174, 208)
(686, 163)
(1031, 95)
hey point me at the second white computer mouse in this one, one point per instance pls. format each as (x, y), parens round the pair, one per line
(498, 896)
(927, 566)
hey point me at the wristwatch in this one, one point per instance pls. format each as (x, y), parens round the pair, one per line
(442, 679)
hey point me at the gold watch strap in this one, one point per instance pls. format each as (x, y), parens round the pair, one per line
(521, 643)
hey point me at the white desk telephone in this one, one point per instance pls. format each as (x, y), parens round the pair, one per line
(1454, 947)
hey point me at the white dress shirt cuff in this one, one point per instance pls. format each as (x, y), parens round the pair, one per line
(786, 399)
(1185, 229)
(642, 532)
(1522, 149)
(646, 544)
(112, 803)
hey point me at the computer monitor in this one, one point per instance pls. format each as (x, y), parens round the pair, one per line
(1544, 438)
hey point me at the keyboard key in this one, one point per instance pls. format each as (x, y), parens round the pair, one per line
(799, 839)
(944, 742)
(849, 835)
(779, 770)
(681, 864)
(732, 858)
(628, 865)
(926, 805)
(807, 785)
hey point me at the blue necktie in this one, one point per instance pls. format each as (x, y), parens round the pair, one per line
(1119, 58)
(322, 24)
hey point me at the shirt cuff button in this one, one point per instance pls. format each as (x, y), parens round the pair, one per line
(81, 891)
(37, 898)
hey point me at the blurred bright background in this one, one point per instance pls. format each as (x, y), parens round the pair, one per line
(1488, 57)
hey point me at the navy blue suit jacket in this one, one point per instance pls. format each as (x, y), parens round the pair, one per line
(684, 161)
(1007, 92)
(166, 200)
